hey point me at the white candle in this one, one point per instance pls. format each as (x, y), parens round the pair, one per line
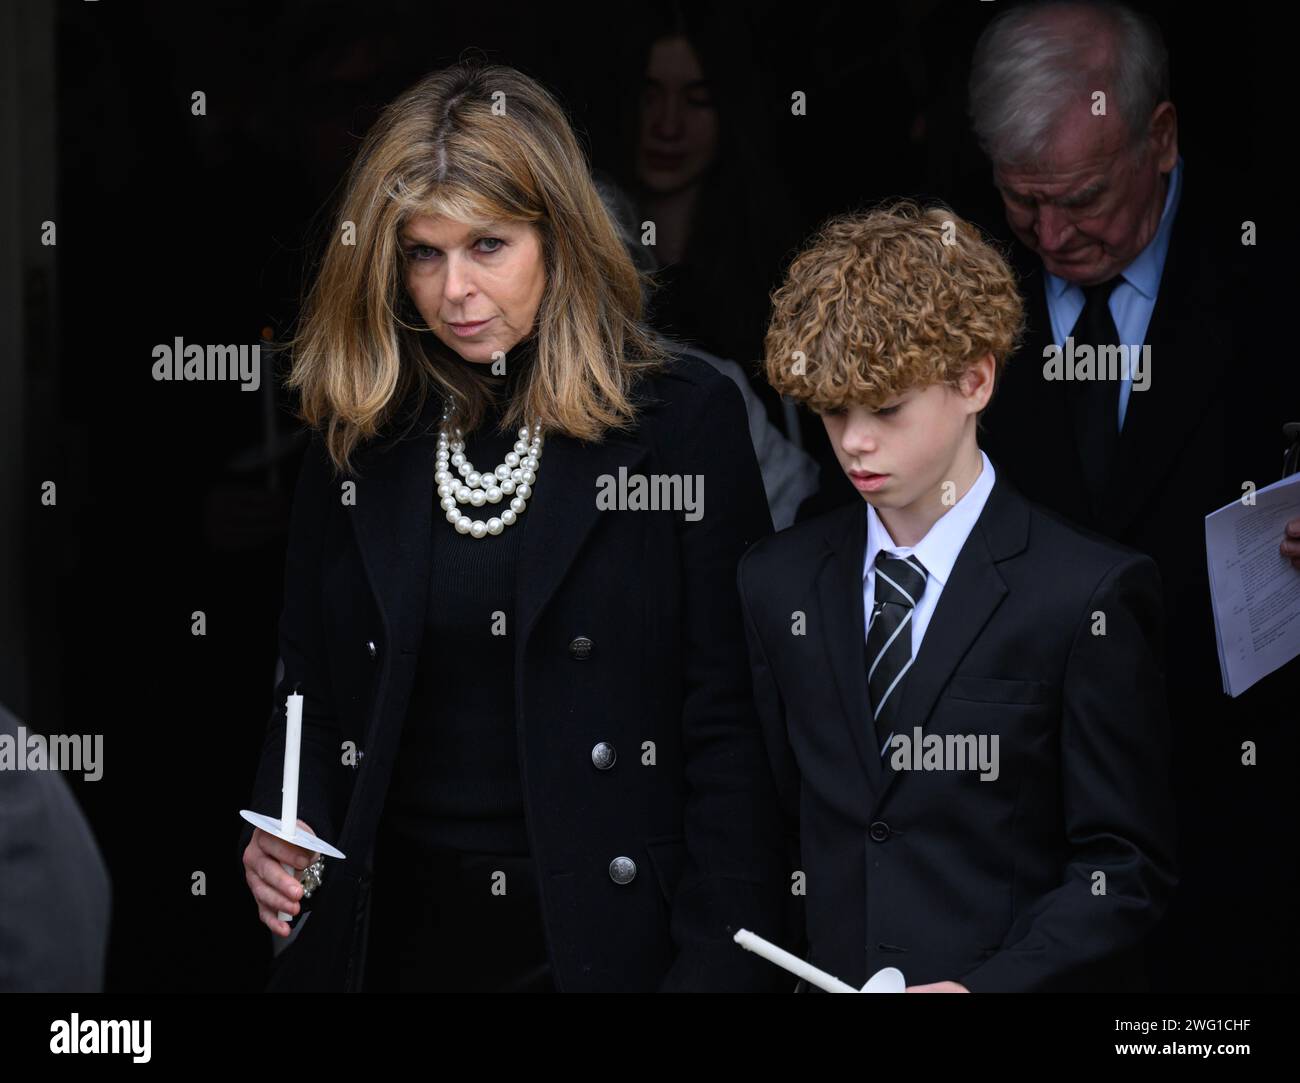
(796, 966)
(289, 790)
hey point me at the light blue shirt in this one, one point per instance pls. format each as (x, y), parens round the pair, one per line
(1134, 297)
(937, 551)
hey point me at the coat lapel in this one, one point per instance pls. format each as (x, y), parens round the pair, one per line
(391, 522)
(397, 504)
(561, 514)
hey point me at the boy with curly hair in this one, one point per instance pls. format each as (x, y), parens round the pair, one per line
(962, 695)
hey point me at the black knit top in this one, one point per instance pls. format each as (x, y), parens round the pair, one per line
(456, 783)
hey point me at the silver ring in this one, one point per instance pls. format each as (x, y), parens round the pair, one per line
(312, 876)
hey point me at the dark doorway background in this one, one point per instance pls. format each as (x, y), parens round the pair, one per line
(202, 227)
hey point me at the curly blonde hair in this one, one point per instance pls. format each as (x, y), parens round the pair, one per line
(882, 301)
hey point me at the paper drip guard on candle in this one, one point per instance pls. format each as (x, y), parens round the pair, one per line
(286, 827)
(888, 980)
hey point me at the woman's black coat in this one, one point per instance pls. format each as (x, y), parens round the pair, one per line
(627, 631)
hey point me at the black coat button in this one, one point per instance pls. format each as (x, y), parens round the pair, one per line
(603, 756)
(622, 870)
(371, 649)
(580, 648)
(880, 831)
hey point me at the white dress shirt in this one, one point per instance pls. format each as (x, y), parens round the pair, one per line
(937, 551)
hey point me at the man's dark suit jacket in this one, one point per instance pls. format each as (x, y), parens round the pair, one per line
(627, 631)
(949, 878)
(1221, 387)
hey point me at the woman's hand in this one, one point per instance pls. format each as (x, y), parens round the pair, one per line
(271, 884)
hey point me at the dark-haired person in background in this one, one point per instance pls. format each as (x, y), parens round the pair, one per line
(790, 475)
(696, 163)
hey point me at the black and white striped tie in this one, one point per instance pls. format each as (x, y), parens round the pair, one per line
(899, 583)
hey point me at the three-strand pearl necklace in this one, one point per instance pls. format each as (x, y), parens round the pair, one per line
(513, 479)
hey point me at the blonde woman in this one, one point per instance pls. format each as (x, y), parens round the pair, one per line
(528, 720)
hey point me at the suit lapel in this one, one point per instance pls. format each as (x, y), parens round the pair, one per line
(1043, 407)
(839, 589)
(972, 594)
(1188, 346)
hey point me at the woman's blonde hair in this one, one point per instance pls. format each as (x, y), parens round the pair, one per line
(883, 301)
(472, 143)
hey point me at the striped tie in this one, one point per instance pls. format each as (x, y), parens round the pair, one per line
(899, 583)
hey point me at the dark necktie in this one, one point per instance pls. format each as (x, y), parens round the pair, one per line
(899, 583)
(1094, 404)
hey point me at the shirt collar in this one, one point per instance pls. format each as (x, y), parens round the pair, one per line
(938, 550)
(1143, 274)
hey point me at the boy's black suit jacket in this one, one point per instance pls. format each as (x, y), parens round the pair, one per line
(991, 883)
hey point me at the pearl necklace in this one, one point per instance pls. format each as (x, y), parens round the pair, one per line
(513, 478)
